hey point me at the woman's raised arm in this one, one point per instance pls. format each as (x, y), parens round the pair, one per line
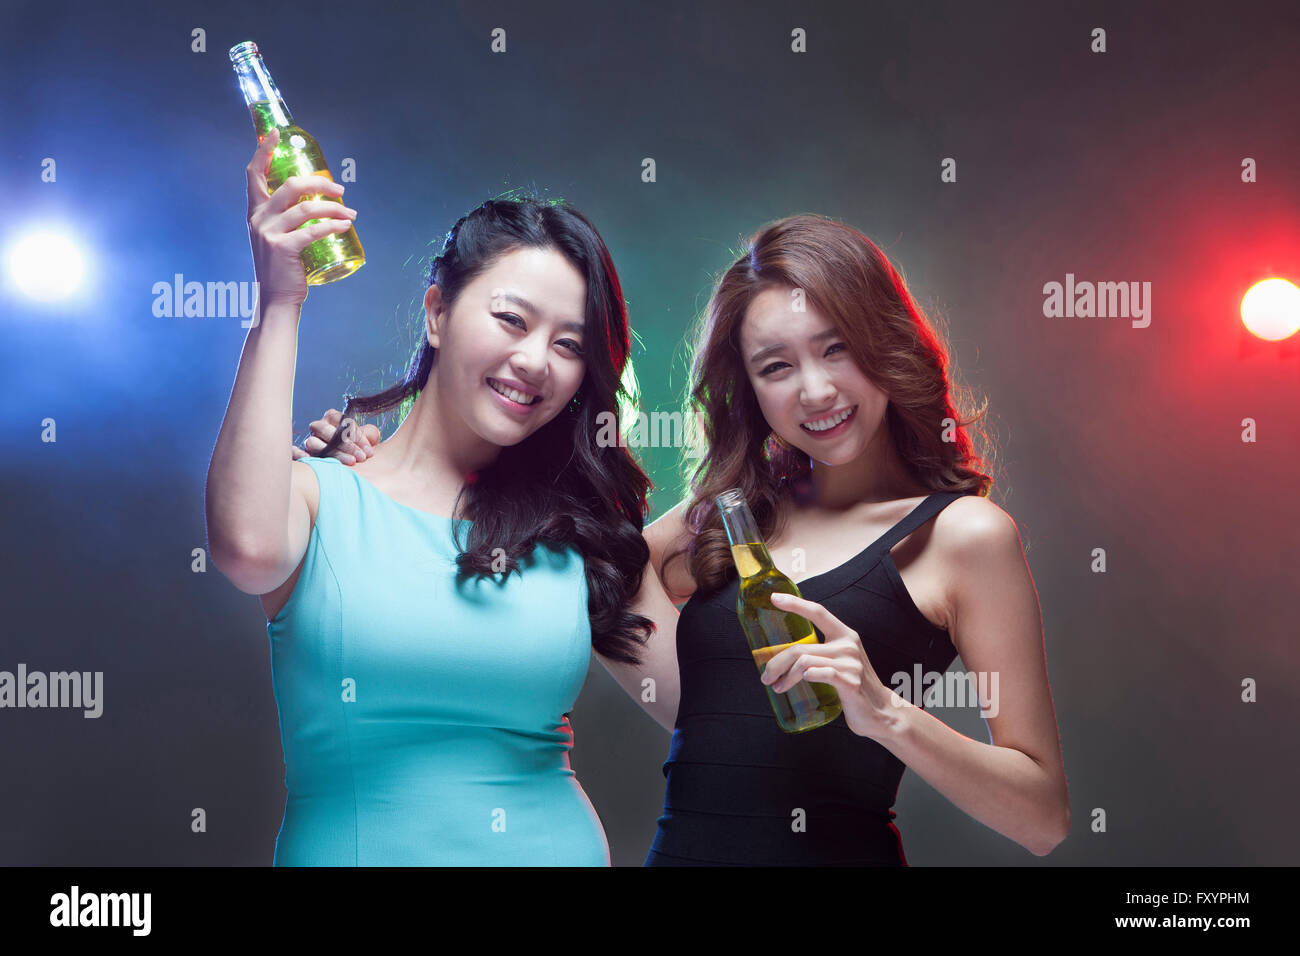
(258, 521)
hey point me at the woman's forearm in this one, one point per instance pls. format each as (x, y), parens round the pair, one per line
(1001, 787)
(654, 683)
(247, 498)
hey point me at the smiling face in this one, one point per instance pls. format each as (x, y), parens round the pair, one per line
(810, 389)
(510, 353)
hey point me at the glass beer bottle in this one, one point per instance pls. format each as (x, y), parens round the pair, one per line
(769, 631)
(296, 154)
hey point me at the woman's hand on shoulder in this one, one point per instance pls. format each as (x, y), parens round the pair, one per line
(357, 445)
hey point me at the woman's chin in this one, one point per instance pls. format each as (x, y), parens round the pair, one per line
(504, 434)
(502, 438)
(842, 454)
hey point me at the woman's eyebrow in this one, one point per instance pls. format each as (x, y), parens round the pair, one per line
(524, 304)
(769, 349)
(766, 351)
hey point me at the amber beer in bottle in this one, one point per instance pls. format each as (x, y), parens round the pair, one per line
(296, 154)
(769, 631)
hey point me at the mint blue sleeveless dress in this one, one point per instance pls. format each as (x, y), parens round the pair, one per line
(423, 723)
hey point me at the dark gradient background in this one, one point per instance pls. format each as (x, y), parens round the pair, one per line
(1123, 166)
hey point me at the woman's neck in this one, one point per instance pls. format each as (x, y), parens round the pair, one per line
(435, 444)
(876, 475)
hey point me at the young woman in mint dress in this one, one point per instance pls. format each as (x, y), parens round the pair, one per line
(433, 612)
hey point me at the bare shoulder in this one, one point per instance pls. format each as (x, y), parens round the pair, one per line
(973, 528)
(980, 552)
(982, 562)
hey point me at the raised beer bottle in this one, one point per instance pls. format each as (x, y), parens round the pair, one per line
(769, 631)
(296, 154)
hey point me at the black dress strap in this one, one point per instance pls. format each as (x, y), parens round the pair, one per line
(918, 516)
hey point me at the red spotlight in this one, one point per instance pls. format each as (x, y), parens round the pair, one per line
(1271, 309)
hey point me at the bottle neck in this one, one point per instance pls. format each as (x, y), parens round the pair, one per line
(260, 95)
(739, 522)
(747, 546)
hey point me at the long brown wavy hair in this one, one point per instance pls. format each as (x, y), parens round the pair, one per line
(846, 277)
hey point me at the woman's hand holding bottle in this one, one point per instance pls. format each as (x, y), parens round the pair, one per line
(258, 526)
(870, 707)
(273, 226)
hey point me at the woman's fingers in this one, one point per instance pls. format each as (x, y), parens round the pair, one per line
(799, 669)
(296, 215)
(356, 443)
(830, 625)
(353, 441)
(256, 170)
(315, 447)
(299, 239)
(276, 239)
(368, 436)
(293, 190)
(348, 452)
(325, 426)
(832, 629)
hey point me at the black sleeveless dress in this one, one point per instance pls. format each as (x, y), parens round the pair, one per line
(735, 779)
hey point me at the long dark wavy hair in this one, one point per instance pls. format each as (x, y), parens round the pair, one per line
(846, 277)
(559, 486)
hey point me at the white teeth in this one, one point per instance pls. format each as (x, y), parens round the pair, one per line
(512, 394)
(822, 424)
